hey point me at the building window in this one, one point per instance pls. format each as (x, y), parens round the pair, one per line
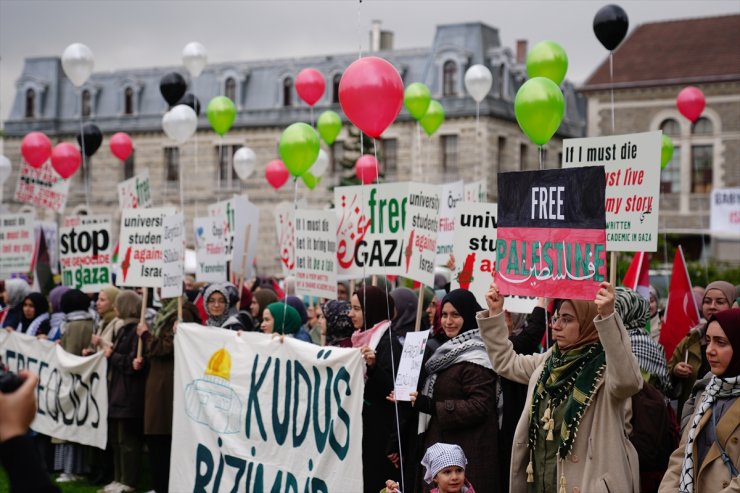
(336, 155)
(30, 103)
(702, 127)
(335, 85)
(449, 78)
(171, 168)
(449, 153)
(701, 168)
(230, 89)
(498, 81)
(390, 156)
(288, 91)
(86, 103)
(128, 101)
(523, 157)
(671, 128)
(128, 166)
(227, 177)
(670, 176)
(500, 153)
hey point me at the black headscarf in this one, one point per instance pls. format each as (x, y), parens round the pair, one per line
(466, 305)
(376, 305)
(405, 301)
(338, 324)
(75, 300)
(297, 303)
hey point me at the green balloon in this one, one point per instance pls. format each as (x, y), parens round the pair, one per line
(539, 108)
(666, 151)
(329, 125)
(547, 59)
(416, 99)
(310, 180)
(433, 118)
(299, 148)
(221, 113)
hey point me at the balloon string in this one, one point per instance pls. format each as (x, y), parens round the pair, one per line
(84, 161)
(180, 179)
(295, 208)
(542, 165)
(478, 139)
(611, 81)
(312, 122)
(359, 30)
(418, 149)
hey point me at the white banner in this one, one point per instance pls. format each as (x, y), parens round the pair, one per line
(42, 187)
(632, 166)
(451, 194)
(135, 193)
(725, 211)
(85, 252)
(409, 368)
(72, 392)
(210, 249)
(285, 228)
(140, 252)
(230, 214)
(173, 256)
(422, 218)
(254, 414)
(476, 191)
(246, 229)
(316, 253)
(17, 243)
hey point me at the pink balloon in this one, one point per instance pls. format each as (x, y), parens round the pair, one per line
(121, 145)
(276, 173)
(691, 103)
(66, 159)
(371, 94)
(366, 169)
(36, 148)
(310, 85)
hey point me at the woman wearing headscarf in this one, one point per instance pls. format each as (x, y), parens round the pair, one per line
(220, 305)
(574, 435)
(260, 300)
(689, 360)
(15, 291)
(279, 318)
(57, 316)
(444, 466)
(457, 403)
(706, 460)
(107, 324)
(336, 324)
(35, 316)
(303, 333)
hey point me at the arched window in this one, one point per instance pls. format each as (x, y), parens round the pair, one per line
(702, 127)
(335, 85)
(128, 101)
(449, 78)
(288, 91)
(230, 89)
(86, 103)
(671, 127)
(30, 103)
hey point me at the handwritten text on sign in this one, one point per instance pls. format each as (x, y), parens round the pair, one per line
(42, 187)
(316, 253)
(17, 243)
(409, 367)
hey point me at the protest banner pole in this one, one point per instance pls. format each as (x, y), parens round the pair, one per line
(613, 269)
(245, 254)
(419, 308)
(142, 319)
(179, 308)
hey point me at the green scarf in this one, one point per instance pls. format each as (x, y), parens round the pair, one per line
(169, 307)
(569, 377)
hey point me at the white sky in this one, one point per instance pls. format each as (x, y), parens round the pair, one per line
(143, 33)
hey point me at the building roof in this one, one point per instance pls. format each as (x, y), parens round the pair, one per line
(674, 52)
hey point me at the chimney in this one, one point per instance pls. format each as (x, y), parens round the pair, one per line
(521, 51)
(379, 39)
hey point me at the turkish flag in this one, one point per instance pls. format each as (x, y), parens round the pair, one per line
(681, 313)
(637, 277)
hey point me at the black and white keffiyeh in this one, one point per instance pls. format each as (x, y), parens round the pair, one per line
(717, 388)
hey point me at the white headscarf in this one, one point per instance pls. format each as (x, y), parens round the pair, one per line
(440, 456)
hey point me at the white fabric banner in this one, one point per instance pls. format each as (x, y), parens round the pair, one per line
(72, 392)
(254, 414)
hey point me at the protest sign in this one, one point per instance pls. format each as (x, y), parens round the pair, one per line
(632, 167)
(475, 255)
(451, 194)
(370, 230)
(135, 193)
(252, 413)
(551, 239)
(50, 229)
(422, 216)
(230, 214)
(476, 191)
(140, 244)
(42, 187)
(285, 227)
(409, 367)
(72, 394)
(173, 256)
(316, 253)
(246, 229)
(85, 252)
(725, 212)
(17, 244)
(210, 249)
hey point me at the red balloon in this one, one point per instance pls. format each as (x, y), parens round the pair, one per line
(371, 94)
(66, 159)
(310, 85)
(366, 169)
(691, 103)
(276, 173)
(121, 145)
(36, 148)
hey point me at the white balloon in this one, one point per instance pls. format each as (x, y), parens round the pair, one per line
(180, 123)
(478, 81)
(195, 58)
(245, 161)
(77, 62)
(319, 167)
(5, 169)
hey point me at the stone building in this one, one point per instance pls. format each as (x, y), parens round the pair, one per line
(651, 66)
(129, 100)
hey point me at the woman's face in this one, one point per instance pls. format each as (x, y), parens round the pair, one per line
(719, 349)
(450, 479)
(103, 304)
(254, 307)
(653, 306)
(268, 323)
(565, 327)
(29, 310)
(431, 310)
(714, 301)
(322, 320)
(355, 312)
(452, 321)
(216, 304)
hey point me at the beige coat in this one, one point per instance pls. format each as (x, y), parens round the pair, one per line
(714, 476)
(602, 458)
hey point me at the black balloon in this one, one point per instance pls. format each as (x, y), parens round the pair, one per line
(190, 100)
(610, 26)
(172, 86)
(93, 138)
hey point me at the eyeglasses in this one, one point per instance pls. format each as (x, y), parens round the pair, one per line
(563, 320)
(216, 302)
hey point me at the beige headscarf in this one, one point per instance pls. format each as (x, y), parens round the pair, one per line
(585, 314)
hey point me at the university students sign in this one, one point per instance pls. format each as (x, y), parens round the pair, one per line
(141, 238)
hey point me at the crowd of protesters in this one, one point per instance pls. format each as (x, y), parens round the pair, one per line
(553, 401)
